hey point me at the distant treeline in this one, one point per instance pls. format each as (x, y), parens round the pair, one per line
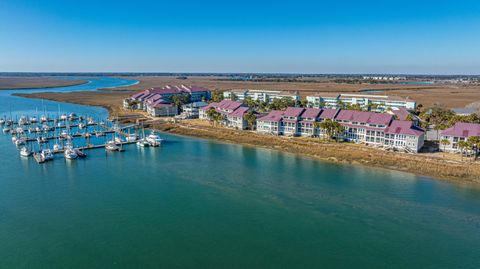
(280, 77)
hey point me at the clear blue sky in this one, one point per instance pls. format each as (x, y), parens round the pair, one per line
(441, 37)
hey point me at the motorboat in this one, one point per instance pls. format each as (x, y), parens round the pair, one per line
(118, 140)
(72, 117)
(47, 154)
(154, 139)
(70, 154)
(9, 122)
(20, 141)
(81, 125)
(23, 120)
(25, 152)
(2, 121)
(39, 157)
(43, 119)
(64, 117)
(143, 143)
(33, 120)
(99, 133)
(132, 137)
(80, 153)
(42, 140)
(111, 146)
(6, 130)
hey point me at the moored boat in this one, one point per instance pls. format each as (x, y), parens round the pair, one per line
(25, 152)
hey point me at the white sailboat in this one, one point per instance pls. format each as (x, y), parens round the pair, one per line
(47, 154)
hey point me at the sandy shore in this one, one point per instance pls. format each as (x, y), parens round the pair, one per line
(19, 83)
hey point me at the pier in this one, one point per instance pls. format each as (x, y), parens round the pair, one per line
(71, 136)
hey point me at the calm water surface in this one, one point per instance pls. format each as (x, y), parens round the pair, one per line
(195, 203)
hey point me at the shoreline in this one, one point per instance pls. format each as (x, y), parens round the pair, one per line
(46, 85)
(340, 153)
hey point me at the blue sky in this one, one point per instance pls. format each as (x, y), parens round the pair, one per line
(424, 37)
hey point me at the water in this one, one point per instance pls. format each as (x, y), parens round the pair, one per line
(196, 203)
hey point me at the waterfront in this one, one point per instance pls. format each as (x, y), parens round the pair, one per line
(197, 203)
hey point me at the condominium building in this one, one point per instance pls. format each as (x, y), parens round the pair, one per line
(461, 131)
(159, 101)
(377, 129)
(378, 102)
(260, 95)
(233, 113)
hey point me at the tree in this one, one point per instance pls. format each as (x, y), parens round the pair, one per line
(331, 128)
(473, 143)
(217, 96)
(233, 97)
(248, 101)
(214, 116)
(444, 143)
(251, 119)
(179, 100)
(462, 145)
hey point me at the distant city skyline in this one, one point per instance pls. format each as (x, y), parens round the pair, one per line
(311, 37)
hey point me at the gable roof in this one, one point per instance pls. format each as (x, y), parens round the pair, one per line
(404, 127)
(463, 129)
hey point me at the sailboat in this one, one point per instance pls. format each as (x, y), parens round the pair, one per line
(47, 154)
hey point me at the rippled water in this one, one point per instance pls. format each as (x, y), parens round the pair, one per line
(197, 203)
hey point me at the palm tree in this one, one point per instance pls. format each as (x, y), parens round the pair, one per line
(444, 143)
(213, 115)
(331, 128)
(251, 119)
(462, 145)
(473, 143)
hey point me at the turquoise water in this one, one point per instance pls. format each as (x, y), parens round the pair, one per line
(196, 203)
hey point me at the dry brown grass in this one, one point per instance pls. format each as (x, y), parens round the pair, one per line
(35, 82)
(452, 96)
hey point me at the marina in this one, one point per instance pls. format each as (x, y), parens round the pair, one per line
(72, 135)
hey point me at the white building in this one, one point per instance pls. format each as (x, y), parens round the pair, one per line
(461, 131)
(233, 113)
(381, 102)
(260, 95)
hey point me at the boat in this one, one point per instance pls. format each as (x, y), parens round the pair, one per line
(9, 122)
(6, 130)
(70, 154)
(81, 126)
(47, 154)
(2, 121)
(20, 141)
(154, 139)
(23, 120)
(86, 135)
(143, 143)
(132, 137)
(118, 140)
(80, 153)
(25, 152)
(57, 147)
(111, 146)
(72, 117)
(99, 133)
(63, 117)
(43, 119)
(42, 140)
(39, 157)
(33, 120)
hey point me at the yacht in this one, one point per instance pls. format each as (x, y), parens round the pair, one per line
(25, 152)
(72, 117)
(143, 143)
(47, 154)
(81, 125)
(43, 119)
(33, 120)
(9, 122)
(39, 157)
(63, 117)
(118, 140)
(154, 139)
(2, 121)
(23, 120)
(19, 142)
(70, 154)
(111, 146)
(6, 130)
